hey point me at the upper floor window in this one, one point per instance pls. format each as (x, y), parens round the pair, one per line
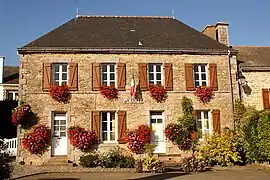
(108, 126)
(60, 73)
(204, 124)
(200, 75)
(155, 73)
(12, 95)
(108, 73)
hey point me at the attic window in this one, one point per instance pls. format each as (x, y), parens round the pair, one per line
(217, 35)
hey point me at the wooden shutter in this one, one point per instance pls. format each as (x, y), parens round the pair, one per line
(122, 125)
(73, 76)
(121, 76)
(168, 76)
(189, 77)
(95, 124)
(213, 77)
(265, 95)
(143, 76)
(95, 76)
(47, 75)
(216, 120)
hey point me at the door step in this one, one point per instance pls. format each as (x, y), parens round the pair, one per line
(57, 160)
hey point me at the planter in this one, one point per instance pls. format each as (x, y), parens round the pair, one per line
(109, 92)
(204, 93)
(60, 93)
(158, 92)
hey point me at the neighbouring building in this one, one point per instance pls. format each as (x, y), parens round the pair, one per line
(89, 51)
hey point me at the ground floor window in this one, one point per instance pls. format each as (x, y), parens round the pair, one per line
(12, 95)
(204, 124)
(108, 126)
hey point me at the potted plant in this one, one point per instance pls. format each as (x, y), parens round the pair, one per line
(158, 92)
(204, 93)
(60, 93)
(109, 92)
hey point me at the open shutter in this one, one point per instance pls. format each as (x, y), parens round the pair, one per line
(265, 95)
(73, 76)
(143, 76)
(189, 77)
(95, 76)
(47, 75)
(213, 77)
(121, 75)
(168, 76)
(95, 124)
(122, 126)
(216, 120)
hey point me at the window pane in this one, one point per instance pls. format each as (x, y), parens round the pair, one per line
(56, 122)
(112, 76)
(158, 68)
(64, 76)
(104, 116)
(56, 128)
(104, 136)
(203, 76)
(10, 96)
(56, 76)
(104, 126)
(112, 83)
(205, 114)
(153, 120)
(56, 67)
(112, 68)
(196, 68)
(151, 82)
(111, 124)
(158, 113)
(158, 76)
(199, 115)
(104, 76)
(112, 136)
(199, 124)
(151, 76)
(203, 83)
(196, 76)
(197, 84)
(63, 122)
(64, 67)
(159, 121)
(158, 82)
(62, 134)
(151, 68)
(207, 124)
(62, 128)
(104, 68)
(202, 68)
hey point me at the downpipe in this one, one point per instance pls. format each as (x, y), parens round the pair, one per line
(231, 84)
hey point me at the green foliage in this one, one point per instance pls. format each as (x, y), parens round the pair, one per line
(89, 160)
(187, 121)
(193, 164)
(239, 111)
(149, 148)
(220, 149)
(153, 164)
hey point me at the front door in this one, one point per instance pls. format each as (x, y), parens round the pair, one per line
(157, 136)
(59, 134)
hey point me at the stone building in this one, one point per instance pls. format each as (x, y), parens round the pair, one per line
(92, 50)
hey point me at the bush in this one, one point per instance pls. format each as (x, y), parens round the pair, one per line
(89, 160)
(220, 149)
(193, 164)
(5, 167)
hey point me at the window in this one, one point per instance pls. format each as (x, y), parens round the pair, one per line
(59, 124)
(200, 75)
(12, 95)
(60, 74)
(156, 117)
(154, 73)
(108, 126)
(108, 74)
(203, 123)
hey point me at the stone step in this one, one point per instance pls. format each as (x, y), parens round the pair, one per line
(57, 160)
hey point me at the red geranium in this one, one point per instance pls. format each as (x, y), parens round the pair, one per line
(81, 138)
(60, 93)
(38, 140)
(109, 92)
(137, 138)
(158, 92)
(204, 93)
(19, 113)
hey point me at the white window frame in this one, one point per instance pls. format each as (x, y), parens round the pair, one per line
(60, 72)
(108, 127)
(13, 95)
(204, 120)
(200, 74)
(108, 72)
(57, 117)
(155, 72)
(157, 116)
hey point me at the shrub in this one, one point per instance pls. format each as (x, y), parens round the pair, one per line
(89, 160)
(60, 93)
(220, 149)
(109, 92)
(158, 92)
(81, 138)
(37, 141)
(239, 111)
(193, 164)
(5, 167)
(153, 164)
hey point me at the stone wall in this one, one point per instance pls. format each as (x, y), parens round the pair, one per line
(251, 93)
(85, 100)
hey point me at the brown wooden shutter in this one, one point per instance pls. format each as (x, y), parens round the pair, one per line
(95, 124)
(121, 76)
(95, 76)
(73, 76)
(216, 120)
(168, 76)
(265, 95)
(47, 75)
(122, 125)
(189, 77)
(143, 76)
(213, 77)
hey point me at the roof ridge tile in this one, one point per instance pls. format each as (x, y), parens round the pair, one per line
(114, 16)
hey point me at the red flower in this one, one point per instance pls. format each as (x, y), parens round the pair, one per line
(158, 92)
(60, 93)
(204, 93)
(19, 113)
(109, 92)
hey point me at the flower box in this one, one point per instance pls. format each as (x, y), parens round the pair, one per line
(60, 93)
(204, 93)
(158, 92)
(109, 92)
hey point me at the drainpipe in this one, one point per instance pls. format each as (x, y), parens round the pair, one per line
(231, 84)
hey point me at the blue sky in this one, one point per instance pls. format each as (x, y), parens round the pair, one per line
(22, 21)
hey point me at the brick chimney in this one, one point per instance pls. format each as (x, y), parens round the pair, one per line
(218, 32)
(2, 69)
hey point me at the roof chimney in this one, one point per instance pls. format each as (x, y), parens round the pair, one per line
(2, 69)
(219, 32)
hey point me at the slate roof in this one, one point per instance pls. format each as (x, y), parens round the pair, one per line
(253, 58)
(136, 32)
(11, 75)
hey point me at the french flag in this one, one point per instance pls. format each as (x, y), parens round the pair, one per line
(132, 85)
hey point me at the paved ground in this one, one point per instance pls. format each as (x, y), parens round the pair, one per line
(231, 174)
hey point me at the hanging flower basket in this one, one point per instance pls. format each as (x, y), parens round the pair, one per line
(60, 93)
(158, 92)
(20, 113)
(37, 141)
(204, 93)
(109, 92)
(137, 138)
(81, 138)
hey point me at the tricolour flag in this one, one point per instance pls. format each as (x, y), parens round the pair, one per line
(132, 86)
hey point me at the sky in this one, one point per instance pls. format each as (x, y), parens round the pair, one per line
(22, 21)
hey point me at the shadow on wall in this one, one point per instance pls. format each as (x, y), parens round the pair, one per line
(7, 129)
(247, 90)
